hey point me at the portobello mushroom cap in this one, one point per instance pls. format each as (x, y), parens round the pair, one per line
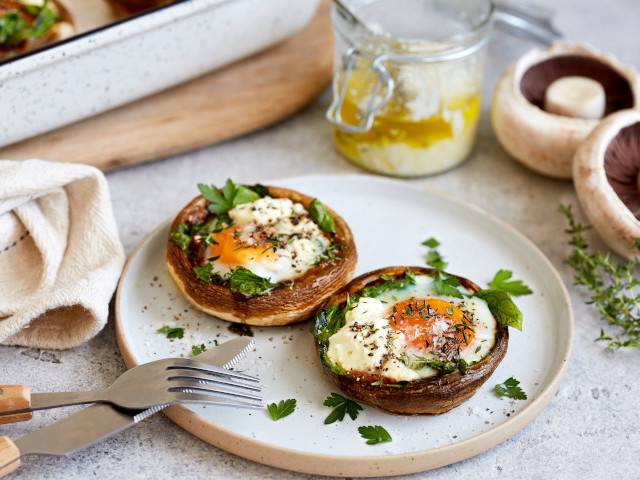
(281, 306)
(127, 7)
(428, 396)
(62, 29)
(606, 176)
(543, 141)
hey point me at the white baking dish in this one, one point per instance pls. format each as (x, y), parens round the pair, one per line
(103, 69)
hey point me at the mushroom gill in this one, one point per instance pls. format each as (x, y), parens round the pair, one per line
(536, 80)
(622, 166)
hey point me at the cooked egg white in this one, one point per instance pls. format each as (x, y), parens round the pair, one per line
(381, 334)
(273, 237)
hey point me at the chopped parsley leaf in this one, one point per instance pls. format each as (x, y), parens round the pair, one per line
(502, 307)
(172, 332)
(282, 409)
(510, 388)
(502, 281)
(198, 349)
(231, 195)
(247, 283)
(341, 406)
(374, 434)
(180, 236)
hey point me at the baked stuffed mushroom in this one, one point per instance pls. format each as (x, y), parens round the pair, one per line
(29, 24)
(413, 340)
(259, 255)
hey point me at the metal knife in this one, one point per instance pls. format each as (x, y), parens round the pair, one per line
(100, 421)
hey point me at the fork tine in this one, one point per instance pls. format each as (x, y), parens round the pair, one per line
(195, 375)
(187, 386)
(185, 363)
(214, 400)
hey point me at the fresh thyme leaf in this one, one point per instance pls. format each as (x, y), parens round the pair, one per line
(389, 283)
(502, 281)
(510, 389)
(321, 216)
(447, 285)
(612, 286)
(502, 307)
(341, 406)
(374, 434)
(180, 236)
(247, 283)
(198, 349)
(223, 200)
(431, 243)
(282, 409)
(172, 332)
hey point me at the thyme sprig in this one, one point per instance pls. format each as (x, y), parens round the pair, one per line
(612, 285)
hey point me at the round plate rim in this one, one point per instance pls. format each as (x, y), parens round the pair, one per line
(359, 466)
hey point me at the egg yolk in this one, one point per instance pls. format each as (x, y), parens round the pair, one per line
(229, 250)
(426, 322)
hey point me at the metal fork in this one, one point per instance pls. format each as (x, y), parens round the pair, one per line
(160, 384)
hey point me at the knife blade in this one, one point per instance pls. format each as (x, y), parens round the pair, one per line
(98, 422)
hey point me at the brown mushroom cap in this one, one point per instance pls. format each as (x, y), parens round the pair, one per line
(606, 172)
(429, 396)
(283, 305)
(543, 141)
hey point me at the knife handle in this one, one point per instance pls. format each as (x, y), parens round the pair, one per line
(14, 397)
(9, 456)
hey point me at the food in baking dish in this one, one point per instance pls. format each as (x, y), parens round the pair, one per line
(413, 340)
(29, 24)
(259, 255)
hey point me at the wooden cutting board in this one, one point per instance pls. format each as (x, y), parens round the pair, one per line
(242, 97)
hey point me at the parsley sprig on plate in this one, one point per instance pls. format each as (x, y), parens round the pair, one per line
(341, 406)
(282, 409)
(510, 388)
(502, 281)
(612, 285)
(172, 333)
(374, 434)
(221, 200)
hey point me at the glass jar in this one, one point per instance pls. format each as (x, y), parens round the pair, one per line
(407, 85)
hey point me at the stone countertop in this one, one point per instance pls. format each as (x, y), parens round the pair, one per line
(591, 429)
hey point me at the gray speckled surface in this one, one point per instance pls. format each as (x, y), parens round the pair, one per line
(591, 430)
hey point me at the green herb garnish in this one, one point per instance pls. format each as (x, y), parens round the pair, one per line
(612, 285)
(447, 285)
(282, 409)
(172, 332)
(205, 272)
(418, 362)
(341, 406)
(14, 29)
(198, 349)
(502, 307)
(388, 283)
(374, 434)
(502, 281)
(180, 236)
(510, 389)
(431, 243)
(321, 216)
(224, 199)
(247, 283)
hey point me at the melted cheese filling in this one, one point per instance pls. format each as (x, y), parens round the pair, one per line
(273, 237)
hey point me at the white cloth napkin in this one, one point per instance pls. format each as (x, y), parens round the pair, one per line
(60, 255)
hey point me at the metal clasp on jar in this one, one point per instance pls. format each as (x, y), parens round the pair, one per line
(385, 80)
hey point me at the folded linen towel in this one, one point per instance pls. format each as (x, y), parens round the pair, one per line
(60, 255)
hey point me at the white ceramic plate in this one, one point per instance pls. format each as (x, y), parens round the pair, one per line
(389, 220)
